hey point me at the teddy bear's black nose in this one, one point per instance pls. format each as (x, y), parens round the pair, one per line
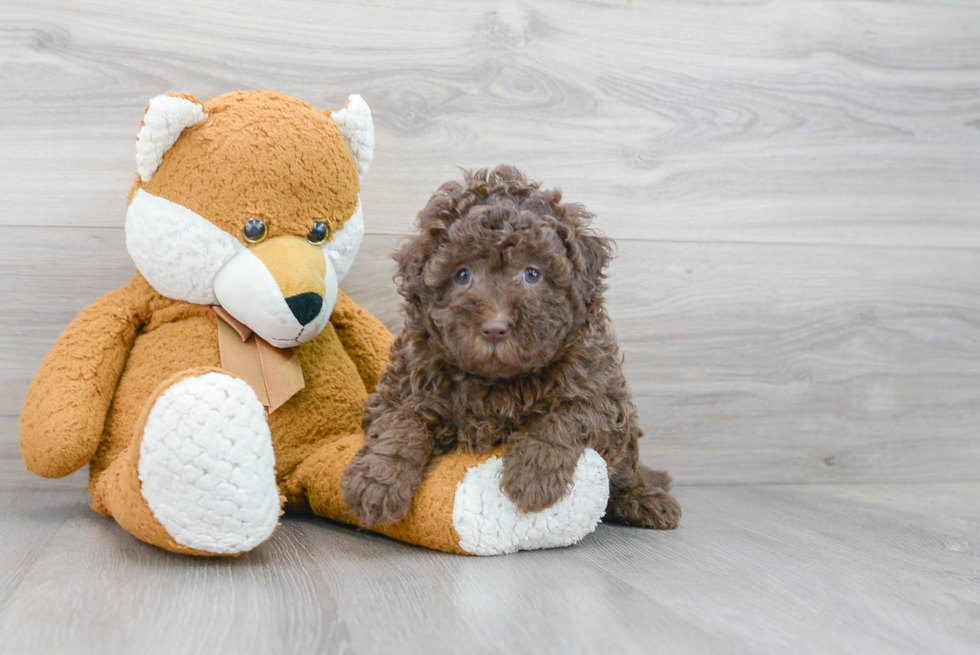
(305, 306)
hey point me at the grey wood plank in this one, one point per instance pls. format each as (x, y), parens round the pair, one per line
(802, 363)
(317, 587)
(818, 569)
(30, 520)
(802, 569)
(14, 476)
(749, 362)
(808, 121)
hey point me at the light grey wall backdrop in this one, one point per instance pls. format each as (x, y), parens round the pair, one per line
(794, 186)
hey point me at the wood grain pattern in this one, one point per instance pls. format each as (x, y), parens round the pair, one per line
(793, 186)
(800, 121)
(801, 569)
(750, 363)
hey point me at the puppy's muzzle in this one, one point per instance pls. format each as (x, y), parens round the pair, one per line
(495, 329)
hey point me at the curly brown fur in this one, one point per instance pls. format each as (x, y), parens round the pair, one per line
(494, 354)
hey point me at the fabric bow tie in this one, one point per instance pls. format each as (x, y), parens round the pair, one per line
(275, 374)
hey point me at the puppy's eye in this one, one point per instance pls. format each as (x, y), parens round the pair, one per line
(532, 275)
(254, 230)
(462, 276)
(318, 234)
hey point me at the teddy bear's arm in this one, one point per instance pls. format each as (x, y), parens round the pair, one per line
(66, 405)
(365, 339)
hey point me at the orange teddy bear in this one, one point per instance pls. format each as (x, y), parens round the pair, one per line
(226, 380)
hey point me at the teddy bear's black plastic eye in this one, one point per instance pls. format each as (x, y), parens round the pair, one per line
(254, 230)
(318, 234)
(532, 275)
(462, 276)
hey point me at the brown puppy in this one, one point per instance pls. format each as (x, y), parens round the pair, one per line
(506, 341)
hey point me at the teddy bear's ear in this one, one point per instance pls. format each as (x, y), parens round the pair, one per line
(357, 126)
(166, 117)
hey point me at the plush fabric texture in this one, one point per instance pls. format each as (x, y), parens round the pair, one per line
(345, 242)
(206, 465)
(179, 252)
(181, 452)
(489, 523)
(250, 289)
(65, 408)
(166, 117)
(263, 155)
(357, 126)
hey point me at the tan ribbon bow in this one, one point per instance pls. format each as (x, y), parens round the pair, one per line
(275, 374)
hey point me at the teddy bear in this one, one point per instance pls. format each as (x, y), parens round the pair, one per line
(225, 383)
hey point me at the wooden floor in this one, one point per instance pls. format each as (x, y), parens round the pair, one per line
(794, 186)
(754, 569)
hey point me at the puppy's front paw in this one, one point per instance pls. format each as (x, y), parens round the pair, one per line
(378, 488)
(536, 476)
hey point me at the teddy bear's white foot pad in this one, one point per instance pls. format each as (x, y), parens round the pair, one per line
(206, 466)
(488, 522)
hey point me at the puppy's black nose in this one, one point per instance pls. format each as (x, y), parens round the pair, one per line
(495, 329)
(305, 306)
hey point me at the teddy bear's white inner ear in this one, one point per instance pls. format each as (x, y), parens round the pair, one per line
(165, 118)
(357, 126)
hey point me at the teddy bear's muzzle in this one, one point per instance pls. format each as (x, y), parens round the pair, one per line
(283, 289)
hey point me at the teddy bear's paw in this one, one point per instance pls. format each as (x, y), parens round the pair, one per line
(206, 465)
(488, 522)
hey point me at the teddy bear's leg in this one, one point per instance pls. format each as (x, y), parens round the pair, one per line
(459, 507)
(199, 474)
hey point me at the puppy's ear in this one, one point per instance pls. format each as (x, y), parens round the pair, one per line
(591, 254)
(410, 259)
(597, 252)
(433, 223)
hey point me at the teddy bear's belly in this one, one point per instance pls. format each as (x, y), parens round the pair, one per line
(330, 405)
